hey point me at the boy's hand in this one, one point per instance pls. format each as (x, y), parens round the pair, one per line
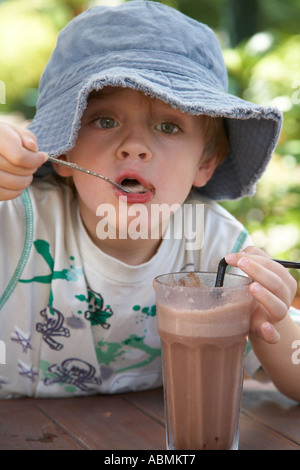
(19, 159)
(273, 287)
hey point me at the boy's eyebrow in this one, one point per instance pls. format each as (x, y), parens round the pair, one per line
(96, 94)
(99, 94)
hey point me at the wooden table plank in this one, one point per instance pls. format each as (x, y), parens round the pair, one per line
(23, 427)
(105, 422)
(266, 405)
(151, 402)
(133, 421)
(255, 436)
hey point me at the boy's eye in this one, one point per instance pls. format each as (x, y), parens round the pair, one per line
(167, 127)
(106, 123)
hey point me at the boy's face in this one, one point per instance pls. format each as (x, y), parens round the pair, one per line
(140, 142)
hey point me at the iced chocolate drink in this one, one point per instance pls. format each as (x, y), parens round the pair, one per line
(204, 334)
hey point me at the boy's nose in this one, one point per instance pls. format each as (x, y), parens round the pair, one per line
(134, 148)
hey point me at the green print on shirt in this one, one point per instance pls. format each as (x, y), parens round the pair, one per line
(72, 274)
(108, 352)
(96, 313)
(149, 311)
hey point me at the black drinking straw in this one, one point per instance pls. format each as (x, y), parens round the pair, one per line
(223, 265)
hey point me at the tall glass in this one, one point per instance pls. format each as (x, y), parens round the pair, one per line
(204, 333)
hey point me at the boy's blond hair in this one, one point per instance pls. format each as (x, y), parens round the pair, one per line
(215, 138)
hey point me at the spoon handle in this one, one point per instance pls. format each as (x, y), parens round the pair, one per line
(89, 172)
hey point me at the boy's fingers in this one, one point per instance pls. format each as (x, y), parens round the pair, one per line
(30, 143)
(34, 161)
(273, 288)
(14, 183)
(262, 328)
(275, 308)
(266, 272)
(8, 194)
(269, 333)
(28, 139)
(19, 149)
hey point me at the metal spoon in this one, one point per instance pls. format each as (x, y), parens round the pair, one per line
(89, 172)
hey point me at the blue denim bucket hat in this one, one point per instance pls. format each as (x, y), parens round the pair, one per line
(154, 48)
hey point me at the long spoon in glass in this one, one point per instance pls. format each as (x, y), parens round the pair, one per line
(89, 172)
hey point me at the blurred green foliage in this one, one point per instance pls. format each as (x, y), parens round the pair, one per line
(261, 43)
(28, 32)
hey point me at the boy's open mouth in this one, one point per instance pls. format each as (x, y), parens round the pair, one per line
(135, 183)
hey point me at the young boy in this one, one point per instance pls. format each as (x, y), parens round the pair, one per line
(138, 94)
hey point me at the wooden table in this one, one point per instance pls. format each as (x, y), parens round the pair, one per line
(135, 421)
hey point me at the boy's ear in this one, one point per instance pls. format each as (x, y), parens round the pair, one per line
(62, 170)
(205, 171)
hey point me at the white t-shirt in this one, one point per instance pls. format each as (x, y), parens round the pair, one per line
(74, 320)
